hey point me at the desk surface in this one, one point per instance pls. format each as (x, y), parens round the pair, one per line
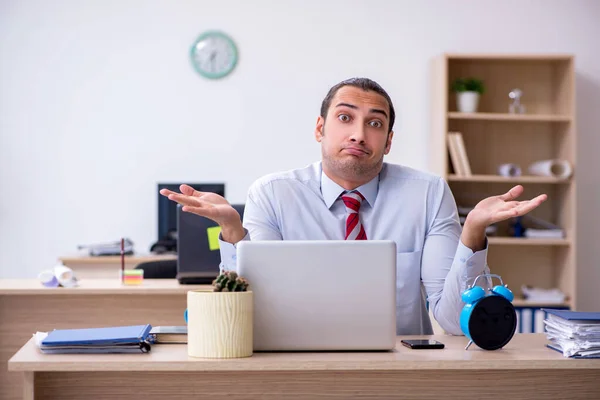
(525, 351)
(96, 286)
(134, 258)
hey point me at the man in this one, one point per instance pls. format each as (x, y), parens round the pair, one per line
(352, 194)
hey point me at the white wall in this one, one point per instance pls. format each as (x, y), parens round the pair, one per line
(98, 100)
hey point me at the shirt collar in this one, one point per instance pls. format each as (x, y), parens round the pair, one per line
(331, 191)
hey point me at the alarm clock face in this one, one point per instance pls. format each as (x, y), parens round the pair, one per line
(493, 322)
(214, 55)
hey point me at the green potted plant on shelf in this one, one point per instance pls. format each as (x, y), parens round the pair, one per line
(220, 320)
(467, 92)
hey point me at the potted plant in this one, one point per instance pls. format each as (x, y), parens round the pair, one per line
(467, 92)
(220, 321)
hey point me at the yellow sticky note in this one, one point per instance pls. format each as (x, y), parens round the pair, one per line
(213, 237)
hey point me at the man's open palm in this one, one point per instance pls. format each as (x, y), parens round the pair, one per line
(499, 208)
(206, 204)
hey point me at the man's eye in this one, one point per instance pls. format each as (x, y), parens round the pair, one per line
(344, 118)
(376, 124)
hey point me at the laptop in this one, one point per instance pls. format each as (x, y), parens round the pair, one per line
(197, 261)
(321, 295)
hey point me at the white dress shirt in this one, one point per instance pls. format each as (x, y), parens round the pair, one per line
(413, 208)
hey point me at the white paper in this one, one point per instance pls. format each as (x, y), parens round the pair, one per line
(553, 168)
(509, 170)
(39, 337)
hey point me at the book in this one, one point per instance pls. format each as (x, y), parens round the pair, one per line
(455, 155)
(118, 339)
(462, 151)
(169, 334)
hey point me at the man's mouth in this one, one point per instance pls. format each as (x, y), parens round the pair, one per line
(356, 151)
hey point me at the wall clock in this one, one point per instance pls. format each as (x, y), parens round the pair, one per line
(214, 55)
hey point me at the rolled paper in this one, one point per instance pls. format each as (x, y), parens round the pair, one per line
(509, 170)
(553, 168)
(48, 279)
(65, 276)
(133, 276)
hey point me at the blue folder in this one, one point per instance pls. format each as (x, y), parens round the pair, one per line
(118, 339)
(589, 317)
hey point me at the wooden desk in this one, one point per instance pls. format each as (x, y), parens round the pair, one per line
(525, 369)
(107, 267)
(27, 307)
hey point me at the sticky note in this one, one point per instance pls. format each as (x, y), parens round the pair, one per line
(133, 276)
(213, 237)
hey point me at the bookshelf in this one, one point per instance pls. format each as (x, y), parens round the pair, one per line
(492, 136)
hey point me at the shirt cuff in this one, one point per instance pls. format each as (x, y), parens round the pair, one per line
(474, 262)
(229, 253)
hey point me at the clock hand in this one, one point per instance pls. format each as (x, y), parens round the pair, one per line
(213, 55)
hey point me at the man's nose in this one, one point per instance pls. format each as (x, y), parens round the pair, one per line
(358, 133)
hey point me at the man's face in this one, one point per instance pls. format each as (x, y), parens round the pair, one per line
(354, 136)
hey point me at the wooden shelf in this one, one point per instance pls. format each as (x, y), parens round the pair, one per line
(518, 302)
(129, 259)
(503, 179)
(509, 117)
(481, 141)
(511, 241)
(513, 57)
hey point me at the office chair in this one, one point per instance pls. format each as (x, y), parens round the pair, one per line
(162, 269)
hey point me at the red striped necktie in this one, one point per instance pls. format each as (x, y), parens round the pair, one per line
(354, 228)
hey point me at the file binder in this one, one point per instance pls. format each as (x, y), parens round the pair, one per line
(589, 317)
(530, 319)
(119, 339)
(576, 334)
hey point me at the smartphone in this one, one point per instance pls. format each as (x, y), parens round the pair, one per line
(422, 344)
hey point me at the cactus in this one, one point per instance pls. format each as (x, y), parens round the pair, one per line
(229, 281)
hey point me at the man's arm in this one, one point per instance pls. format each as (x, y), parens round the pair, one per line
(447, 269)
(260, 223)
(448, 266)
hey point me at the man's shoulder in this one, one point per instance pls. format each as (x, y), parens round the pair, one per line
(308, 174)
(403, 172)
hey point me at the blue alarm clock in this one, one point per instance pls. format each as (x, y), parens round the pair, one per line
(488, 318)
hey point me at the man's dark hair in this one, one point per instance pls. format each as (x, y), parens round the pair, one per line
(361, 83)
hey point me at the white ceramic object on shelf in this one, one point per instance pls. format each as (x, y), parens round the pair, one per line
(467, 101)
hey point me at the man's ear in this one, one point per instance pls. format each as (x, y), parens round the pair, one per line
(388, 144)
(319, 128)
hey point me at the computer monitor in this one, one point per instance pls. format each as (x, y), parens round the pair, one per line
(198, 253)
(167, 209)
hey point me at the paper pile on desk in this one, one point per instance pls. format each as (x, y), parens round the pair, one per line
(573, 333)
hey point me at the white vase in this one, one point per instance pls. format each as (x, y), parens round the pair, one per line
(220, 324)
(467, 101)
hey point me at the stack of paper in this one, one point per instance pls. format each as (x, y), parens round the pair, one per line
(540, 295)
(109, 248)
(542, 229)
(574, 333)
(119, 339)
